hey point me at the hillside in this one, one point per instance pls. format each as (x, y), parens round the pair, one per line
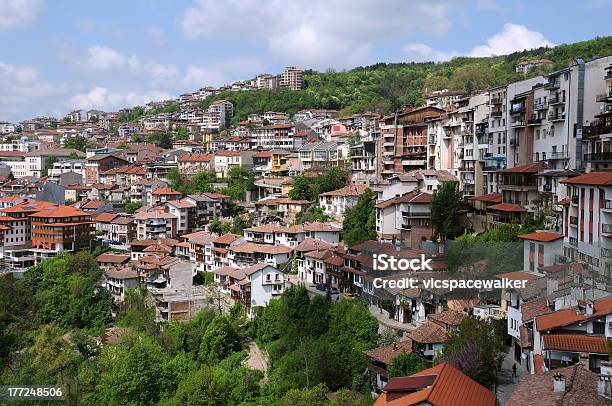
(384, 87)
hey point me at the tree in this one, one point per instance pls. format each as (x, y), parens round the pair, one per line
(407, 364)
(49, 164)
(360, 221)
(474, 348)
(301, 189)
(162, 139)
(131, 206)
(79, 143)
(182, 134)
(332, 179)
(219, 340)
(445, 206)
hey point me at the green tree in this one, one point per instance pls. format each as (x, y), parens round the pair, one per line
(220, 340)
(445, 206)
(407, 364)
(332, 179)
(49, 164)
(313, 213)
(301, 189)
(131, 206)
(79, 143)
(182, 134)
(360, 221)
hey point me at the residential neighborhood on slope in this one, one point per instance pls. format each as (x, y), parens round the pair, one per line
(203, 211)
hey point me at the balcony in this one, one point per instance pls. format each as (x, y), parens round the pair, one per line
(415, 214)
(552, 116)
(599, 157)
(406, 227)
(606, 230)
(573, 241)
(540, 106)
(606, 252)
(604, 97)
(534, 121)
(552, 85)
(518, 123)
(517, 109)
(558, 155)
(496, 113)
(556, 100)
(575, 199)
(607, 204)
(514, 142)
(573, 221)
(547, 187)
(597, 128)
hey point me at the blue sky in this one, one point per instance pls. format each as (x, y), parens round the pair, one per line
(56, 55)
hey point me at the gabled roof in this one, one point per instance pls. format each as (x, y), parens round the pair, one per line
(490, 198)
(428, 333)
(409, 197)
(386, 353)
(541, 236)
(105, 217)
(576, 343)
(108, 257)
(348, 190)
(227, 238)
(571, 316)
(448, 317)
(508, 207)
(525, 168)
(450, 387)
(593, 179)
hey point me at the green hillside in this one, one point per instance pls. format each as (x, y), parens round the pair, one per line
(384, 87)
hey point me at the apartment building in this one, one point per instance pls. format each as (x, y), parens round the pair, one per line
(291, 78)
(404, 218)
(58, 229)
(155, 223)
(337, 202)
(597, 116)
(191, 164)
(276, 136)
(404, 140)
(364, 159)
(225, 111)
(587, 221)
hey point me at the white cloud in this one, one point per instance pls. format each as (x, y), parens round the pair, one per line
(22, 88)
(425, 53)
(102, 98)
(513, 38)
(103, 59)
(199, 76)
(299, 32)
(18, 13)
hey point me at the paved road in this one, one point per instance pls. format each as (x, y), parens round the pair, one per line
(505, 381)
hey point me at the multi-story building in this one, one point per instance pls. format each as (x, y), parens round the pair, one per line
(364, 159)
(337, 202)
(58, 229)
(587, 221)
(404, 218)
(276, 136)
(291, 78)
(191, 164)
(155, 223)
(404, 140)
(224, 109)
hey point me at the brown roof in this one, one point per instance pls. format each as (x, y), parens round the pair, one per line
(113, 258)
(449, 317)
(593, 178)
(227, 238)
(386, 353)
(534, 308)
(510, 207)
(576, 343)
(541, 236)
(525, 168)
(537, 389)
(518, 275)
(410, 197)
(491, 198)
(311, 244)
(428, 333)
(165, 191)
(348, 190)
(250, 248)
(105, 217)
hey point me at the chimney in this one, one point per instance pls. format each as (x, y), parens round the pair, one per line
(558, 383)
(583, 359)
(589, 308)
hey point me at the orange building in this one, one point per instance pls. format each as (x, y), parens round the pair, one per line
(60, 229)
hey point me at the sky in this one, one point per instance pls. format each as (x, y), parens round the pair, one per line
(58, 55)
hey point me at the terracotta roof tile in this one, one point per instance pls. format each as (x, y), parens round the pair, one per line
(386, 353)
(348, 190)
(509, 207)
(576, 343)
(541, 236)
(593, 178)
(428, 333)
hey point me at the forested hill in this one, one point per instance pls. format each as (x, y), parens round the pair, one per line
(384, 87)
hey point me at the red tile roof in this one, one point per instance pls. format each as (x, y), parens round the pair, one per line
(165, 191)
(113, 258)
(576, 343)
(593, 178)
(564, 202)
(348, 190)
(526, 168)
(386, 353)
(510, 207)
(568, 317)
(60, 211)
(491, 198)
(450, 388)
(428, 333)
(541, 236)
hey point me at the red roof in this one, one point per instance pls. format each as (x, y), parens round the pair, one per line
(526, 168)
(593, 178)
(568, 317)
(60, 211)
(491, 198)
(510, 207)
(576, 343)
(564, 202)
(449, 388)
(165, 191)
(541, 236)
